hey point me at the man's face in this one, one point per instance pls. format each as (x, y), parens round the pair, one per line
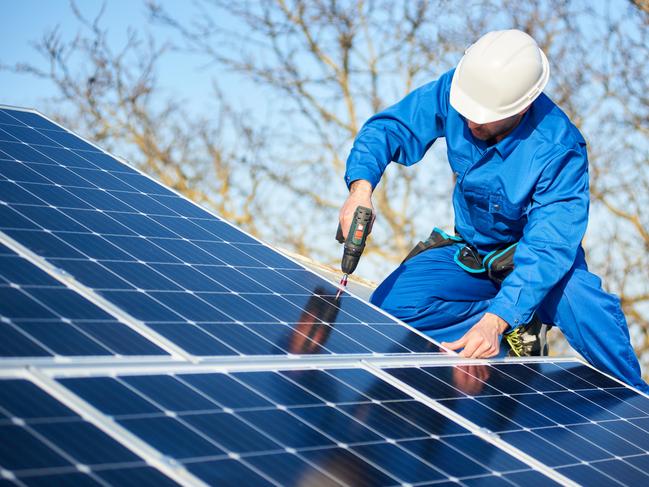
(494, 130)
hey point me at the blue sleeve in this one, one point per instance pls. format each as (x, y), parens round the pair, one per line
(551, 238)
(401, 133)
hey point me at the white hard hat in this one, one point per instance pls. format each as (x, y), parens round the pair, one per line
(499, 76)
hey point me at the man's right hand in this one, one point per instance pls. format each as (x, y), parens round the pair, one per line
(360, 194)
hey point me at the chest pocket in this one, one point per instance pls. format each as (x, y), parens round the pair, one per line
(493, 212)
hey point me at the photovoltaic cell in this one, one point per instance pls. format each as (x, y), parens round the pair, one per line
(585, 425)
(188, 275)
(39, 317)
(45, 443)
(298, 427)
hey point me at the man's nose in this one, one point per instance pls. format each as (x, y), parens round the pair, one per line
(473, 125)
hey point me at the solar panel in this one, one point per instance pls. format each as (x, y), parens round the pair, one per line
(40, 317)
(564, 414)
(185, 351)
(290, 427)
(46, 443)
(188, 275)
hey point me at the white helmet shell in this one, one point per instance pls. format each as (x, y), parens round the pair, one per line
(499, 76)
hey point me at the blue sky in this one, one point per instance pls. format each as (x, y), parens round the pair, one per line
(25, 22)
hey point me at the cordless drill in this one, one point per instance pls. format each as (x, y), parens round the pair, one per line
(355, 242)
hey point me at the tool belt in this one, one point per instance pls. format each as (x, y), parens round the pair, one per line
(497, 264)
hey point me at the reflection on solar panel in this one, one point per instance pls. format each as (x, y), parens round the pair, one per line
(145, 341)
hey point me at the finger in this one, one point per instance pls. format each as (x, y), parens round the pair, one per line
(346, 216)
(491, 352)
(480, 350)
(470, 348)
(346, 224)
(340, 232)
(341, 223)
(447, 346)
(473, 370)
(482, 372)
(456, 344)
(495, 349)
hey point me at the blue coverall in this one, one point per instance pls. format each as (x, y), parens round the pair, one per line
(531, 188)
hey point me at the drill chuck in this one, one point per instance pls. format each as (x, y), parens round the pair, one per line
(349, 262)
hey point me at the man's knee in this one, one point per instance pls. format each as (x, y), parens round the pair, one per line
(406, 309)
(430, 277)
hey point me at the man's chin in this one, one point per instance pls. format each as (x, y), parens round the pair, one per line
(480, 136)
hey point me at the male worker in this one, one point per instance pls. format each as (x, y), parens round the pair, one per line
(520, 200)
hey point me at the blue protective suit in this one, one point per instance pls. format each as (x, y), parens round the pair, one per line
(531, 188)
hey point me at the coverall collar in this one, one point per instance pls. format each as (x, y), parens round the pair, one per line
(506, 146)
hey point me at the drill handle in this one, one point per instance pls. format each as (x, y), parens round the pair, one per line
(362, 216)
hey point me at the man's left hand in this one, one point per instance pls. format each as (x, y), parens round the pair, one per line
(482, 340)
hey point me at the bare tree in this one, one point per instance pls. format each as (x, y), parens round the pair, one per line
(620, 182)
(642, 5)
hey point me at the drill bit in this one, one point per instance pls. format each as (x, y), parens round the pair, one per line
(343, 283)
